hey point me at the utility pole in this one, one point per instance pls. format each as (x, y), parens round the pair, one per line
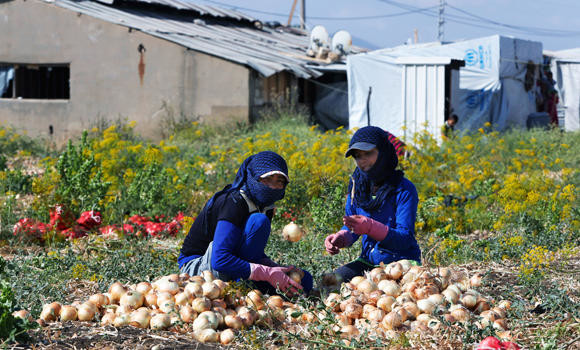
(441, 32)
(291, 13)
(303, 14)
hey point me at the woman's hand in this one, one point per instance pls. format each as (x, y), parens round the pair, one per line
(334, 242)
(361, 225)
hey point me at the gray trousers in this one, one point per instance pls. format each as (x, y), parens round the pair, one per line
(195, 266)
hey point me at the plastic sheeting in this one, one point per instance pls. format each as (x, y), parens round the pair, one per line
(566, 70)
(492, 88)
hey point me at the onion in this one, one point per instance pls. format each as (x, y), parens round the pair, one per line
(385, 303)
(206, 335)
(108, 319)
(405, 264)
(333, 301)
(160, 321)
(424, 318)
(187, 314)
(391, 321)
(403, 298)
(86, 312)
(292, 232)
(276, 301)
(194, 289)
(144, 287)
(451, 296)
(183, 298)
(401, 311)
(227, 336)
(500, 324)
(394, 271)
(99, 300)
(132, 299)
(500, 312)
(366, 286)
(210, 290)
(200, 305)
(116, 290)
(353, 310)
(436, 299)
(163, 297)
(122, 320)
(481, 305)
(505, 304)
(255, 299)
(412, 309)
(374, 296)
(349, 331)
(140, 318)
(167, 306)
(426, 306)
(367, 308)
(356, 280)
(295, 276)
(390, 288)
(207, 276)
(376, 315)
(165, 284)
(468, 301)
(123, 310)
(460, 314)
(377, 274)
(150, 299)
(68, 313)
(233, 321)
(205, 320)
(475, 281)
(50, 312)
(23, 314)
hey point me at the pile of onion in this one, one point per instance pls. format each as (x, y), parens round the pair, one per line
(388, 299)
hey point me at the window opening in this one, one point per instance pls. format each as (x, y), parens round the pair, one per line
(34, 81)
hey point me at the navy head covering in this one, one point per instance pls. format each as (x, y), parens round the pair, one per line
(247, 178)
(382, 175)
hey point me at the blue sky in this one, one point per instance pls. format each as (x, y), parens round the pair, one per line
(388, 23)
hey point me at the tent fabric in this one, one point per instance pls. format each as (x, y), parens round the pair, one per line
(491, 85)
(566, 70)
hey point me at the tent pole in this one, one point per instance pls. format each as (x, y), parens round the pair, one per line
(369, 106)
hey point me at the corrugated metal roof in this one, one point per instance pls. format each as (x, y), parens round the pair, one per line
(267, 50)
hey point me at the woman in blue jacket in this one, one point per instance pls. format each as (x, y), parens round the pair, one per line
(381, 206)
(229, 235)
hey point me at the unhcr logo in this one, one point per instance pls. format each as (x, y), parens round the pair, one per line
(478, 57)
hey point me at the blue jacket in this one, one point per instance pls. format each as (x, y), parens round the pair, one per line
(399, 213)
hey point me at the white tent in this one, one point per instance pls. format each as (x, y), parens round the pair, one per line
(492, 85)
(566, 69)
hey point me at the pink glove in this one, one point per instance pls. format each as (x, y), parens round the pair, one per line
(361, 225)
(276, 276)
(334, 242)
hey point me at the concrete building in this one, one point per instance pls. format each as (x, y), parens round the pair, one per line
(65, 64)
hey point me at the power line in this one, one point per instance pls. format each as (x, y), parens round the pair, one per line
(485, 22)
(348, 18)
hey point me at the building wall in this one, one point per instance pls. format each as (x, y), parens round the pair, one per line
(109, 77)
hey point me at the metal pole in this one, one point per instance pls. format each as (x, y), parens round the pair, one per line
(440, 31)
(303, 15)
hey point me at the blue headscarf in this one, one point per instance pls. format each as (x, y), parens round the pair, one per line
(382, 174)
(247, 179)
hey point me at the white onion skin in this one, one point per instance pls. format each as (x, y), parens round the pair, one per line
(160, 322)
(292, 232)
(227, 336)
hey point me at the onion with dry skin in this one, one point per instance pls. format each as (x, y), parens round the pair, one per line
(227, 336)
(292, 232)
(160, 322)
(68, 313)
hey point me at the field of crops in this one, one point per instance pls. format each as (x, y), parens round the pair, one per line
(499, 212)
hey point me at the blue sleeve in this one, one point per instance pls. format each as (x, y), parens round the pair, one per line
(348, 211)
(402, 233)
(226, 241)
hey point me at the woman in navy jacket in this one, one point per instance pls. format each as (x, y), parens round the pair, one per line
(381, 206)
(230, 234)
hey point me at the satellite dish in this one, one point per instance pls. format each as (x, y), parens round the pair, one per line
(319, 38)
(341, 42)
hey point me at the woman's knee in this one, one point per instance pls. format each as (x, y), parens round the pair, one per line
(258, 222)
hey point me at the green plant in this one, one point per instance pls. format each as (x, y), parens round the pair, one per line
(11, 328)
(80, 184)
